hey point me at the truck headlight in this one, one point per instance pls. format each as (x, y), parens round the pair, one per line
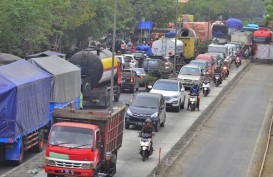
(154, 115)
(129, 112)
(50, 162)
(87, 166)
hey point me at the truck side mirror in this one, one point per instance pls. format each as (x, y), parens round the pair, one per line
(99, 144)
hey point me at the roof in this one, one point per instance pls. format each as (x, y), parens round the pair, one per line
(75, 124)
(152, 59)
(204, 56)
(6, 58)
(22, 72)
(167, 80)
(199, 61)
(149, 95)
(46, 53)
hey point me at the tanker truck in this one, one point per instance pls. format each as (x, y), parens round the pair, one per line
(96, 67)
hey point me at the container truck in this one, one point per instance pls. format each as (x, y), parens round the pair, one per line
(24, 102)
(242, 36)
(96, 65)
(65, 82)
(220, 32)
(94, 133)
(165, 47)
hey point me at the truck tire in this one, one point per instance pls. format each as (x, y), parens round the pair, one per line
(20, 161)
(115, 156)
(127, 126)
(116, 97)
(51, 175)
(39, 146)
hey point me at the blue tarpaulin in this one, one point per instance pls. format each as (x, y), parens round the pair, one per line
(145, 48)
(24, 99)
(235, 23)
(170, 34)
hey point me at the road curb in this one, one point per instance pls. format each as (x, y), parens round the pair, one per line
(192, 132)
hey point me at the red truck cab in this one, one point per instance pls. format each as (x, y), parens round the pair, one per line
(79, 138)
(262, 36)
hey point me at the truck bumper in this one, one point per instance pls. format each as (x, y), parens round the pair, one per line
(67, 171)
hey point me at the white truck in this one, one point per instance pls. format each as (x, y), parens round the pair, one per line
(165, 47)
(242, 36)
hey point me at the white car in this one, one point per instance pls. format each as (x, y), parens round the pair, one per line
(173, 92)
(131, 60)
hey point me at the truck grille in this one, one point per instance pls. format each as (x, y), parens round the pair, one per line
(68, 164)
(167, 98)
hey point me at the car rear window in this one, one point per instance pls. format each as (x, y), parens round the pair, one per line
(126, 73)
(128, 59)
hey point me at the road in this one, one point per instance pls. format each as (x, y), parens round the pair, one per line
(130, 162)
(226, 144)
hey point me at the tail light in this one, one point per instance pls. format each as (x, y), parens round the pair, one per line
(237, 59)
(132, 79)
(141, 77)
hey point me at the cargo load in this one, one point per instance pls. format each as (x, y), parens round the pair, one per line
(6, 58)
(202, 30)
(66, 77)
(166, 47)
(24, 99)
(242, 36)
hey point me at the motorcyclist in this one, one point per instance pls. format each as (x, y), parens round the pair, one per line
(148, 128)
(225, 64)
(195, 92)
(218, 70)
(106, 166)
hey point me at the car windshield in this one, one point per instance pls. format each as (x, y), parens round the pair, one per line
(139, 71)
(189, 71)
(145, 102)
(166, 86)
(128, 59)
(201, 64)
(138, 55)
(126, 73)
(71, 137)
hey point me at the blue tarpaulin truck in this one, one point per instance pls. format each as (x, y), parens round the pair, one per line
(24, 101)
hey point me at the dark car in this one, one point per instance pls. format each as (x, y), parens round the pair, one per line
(129, 80)
(155, 67)
(141, 74)
(139, 57)
(146, 106)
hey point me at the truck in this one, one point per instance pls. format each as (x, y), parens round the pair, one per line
(262, 36)
(201, 29)
(24, 102)
(96, 64)
(220, 32)
(244, 37)
(227, 50)
(165, 47)
(66, 82)
(94, 133)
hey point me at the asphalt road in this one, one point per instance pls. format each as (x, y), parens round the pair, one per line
(130, 162)
(226, 144)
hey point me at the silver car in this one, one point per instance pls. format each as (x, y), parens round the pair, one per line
(189, 74)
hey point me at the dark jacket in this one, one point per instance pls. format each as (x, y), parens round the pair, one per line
(194, 91)
(148, 130)
(103, 167)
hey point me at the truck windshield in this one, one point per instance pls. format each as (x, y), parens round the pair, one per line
(72, 137)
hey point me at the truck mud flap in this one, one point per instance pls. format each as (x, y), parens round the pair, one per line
(2, 153)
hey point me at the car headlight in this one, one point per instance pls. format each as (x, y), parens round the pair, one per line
(129, 112)
(154, 115)
(87, 166)
(50, 162)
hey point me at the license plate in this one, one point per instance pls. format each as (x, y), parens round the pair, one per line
(140, 123)
(68, 172)
(205, 88)
(217, 77)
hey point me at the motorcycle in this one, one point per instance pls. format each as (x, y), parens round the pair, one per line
(217, 79)
(193, 102)
(237, 62)
(225, 71)
(145, 146)
(206, 87)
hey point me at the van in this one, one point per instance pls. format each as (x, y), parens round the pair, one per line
(156, 68)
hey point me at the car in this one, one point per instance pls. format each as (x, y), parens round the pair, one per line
(129, 80)
(156, 68)
(173, 92)
(130, 61)
(233, 49)
(189, 74)
(121, 59)
(222, 56)
(238, 45)
(168, 65)
(202, 63)
(210, 59)
(141, 75)
(139, 56)
(146, 106)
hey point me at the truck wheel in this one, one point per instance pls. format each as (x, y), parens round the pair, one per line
(51, 175)
(116, 97)
(20, 161)
(39, 146)
(183, 104)
(127, 126)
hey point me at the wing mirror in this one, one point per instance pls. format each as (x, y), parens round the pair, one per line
(183, 89)
(99, 144)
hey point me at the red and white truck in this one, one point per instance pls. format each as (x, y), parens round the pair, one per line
(79, 138)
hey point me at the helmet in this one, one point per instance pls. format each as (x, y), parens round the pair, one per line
(195, 84)
(108, 154)
(148, 121)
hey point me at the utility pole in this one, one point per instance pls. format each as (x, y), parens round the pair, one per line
(113, 57)
(252, 4)
(209, 20)
(175, 43)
